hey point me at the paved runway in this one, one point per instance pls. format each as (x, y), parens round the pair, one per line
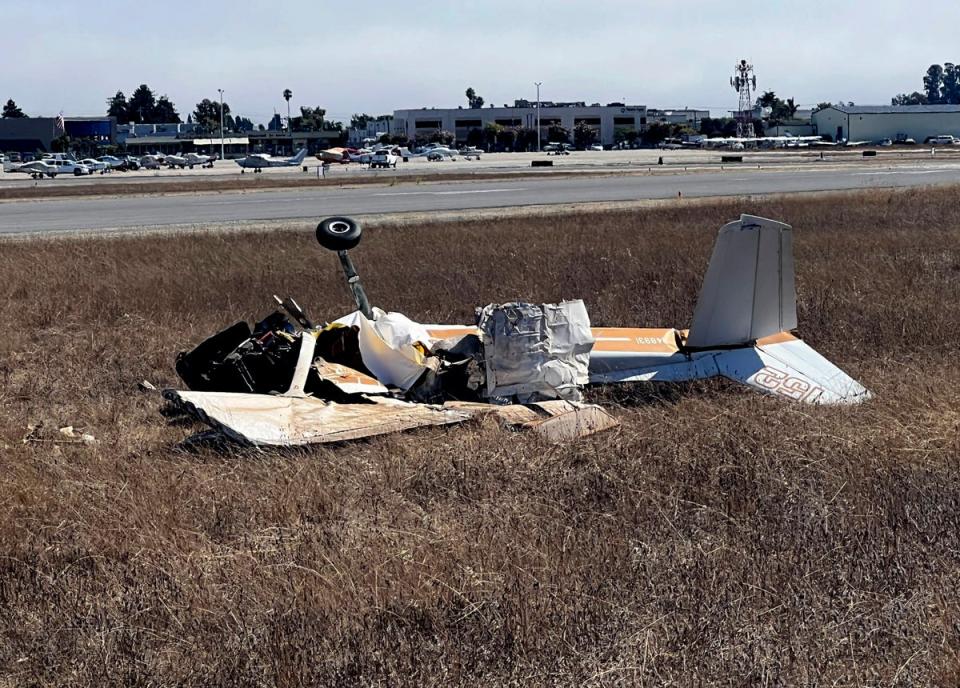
(148, 211)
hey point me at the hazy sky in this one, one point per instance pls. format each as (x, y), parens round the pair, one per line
(376, 56)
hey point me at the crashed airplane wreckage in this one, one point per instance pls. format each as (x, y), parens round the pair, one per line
(290, 382)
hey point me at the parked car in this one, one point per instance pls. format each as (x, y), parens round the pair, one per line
(95, 165)
(596, 147)
(111, 161)
(384, 158)
(65, 166)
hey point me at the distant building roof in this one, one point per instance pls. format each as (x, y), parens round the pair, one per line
(894, 109)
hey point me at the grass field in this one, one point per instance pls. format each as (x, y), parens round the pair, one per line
(719, 537)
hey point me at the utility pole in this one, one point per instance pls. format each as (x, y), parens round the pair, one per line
(287, 95)
(537, 84)
(222, 156)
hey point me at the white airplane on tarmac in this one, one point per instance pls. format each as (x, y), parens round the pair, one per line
(188, 160)
(36, 169)
(735, 141)
(257, 161)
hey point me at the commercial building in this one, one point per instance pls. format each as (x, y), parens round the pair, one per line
(374, 129)
(687, 116)
(37, 134)
(289, 142)
(877, 122)
(604, 119)
(179, 137)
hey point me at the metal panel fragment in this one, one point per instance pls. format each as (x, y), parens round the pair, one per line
(281, 421)
(536, 351)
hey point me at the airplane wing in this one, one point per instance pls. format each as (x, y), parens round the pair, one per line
(285, 421)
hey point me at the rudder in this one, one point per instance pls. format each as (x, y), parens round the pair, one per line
(748, 292)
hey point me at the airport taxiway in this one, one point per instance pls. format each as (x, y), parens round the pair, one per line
(95, 213)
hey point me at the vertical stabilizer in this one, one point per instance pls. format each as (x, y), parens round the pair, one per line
(748, 292)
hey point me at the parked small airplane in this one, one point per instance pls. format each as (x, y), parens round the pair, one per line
(436, 152)
(188, 160)
(152, 162)
(372, 373)
(199, 159)
(741, 142)
(338, 155)
(257, 161)
(38, 169)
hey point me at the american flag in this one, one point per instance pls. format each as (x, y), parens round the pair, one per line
(61, 125)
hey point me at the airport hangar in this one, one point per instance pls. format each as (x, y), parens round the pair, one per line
(877, 122)
(604, 119)
(31, 134)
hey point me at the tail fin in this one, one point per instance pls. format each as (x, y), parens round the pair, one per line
(748, 292)
(299, 157)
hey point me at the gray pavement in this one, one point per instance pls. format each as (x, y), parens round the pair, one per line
(156, 211)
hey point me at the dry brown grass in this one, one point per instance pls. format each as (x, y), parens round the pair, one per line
(719, 538)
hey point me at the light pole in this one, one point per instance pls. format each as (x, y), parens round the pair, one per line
(222, 156)
(537, 84)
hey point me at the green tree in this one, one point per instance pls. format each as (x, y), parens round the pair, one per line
(660, 131)
(442, 136)
(768, 99)
(473, 100)
(310, 119)
(287, 95)
(360, 121)
(625, 135)
(823, 105)
(207, 115)
(141, 105)
(558, 134)
(475, 137)
(933, 83)
(12, 111)
(164, 111)
(780, 110)
(584, 135)
(951, 83)
(117, 107)
(491, 133)
(526, 139)
(915, 98)
(719, 126)
(61, 144)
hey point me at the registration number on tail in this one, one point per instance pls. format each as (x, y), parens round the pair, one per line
(782, 383)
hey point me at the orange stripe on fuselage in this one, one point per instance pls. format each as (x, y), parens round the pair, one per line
(639, 340)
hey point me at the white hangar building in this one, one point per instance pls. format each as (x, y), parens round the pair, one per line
(877, 122)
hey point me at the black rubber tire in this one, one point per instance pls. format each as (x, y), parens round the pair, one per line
(338, 233)
(77, 172)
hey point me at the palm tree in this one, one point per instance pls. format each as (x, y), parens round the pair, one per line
(287, 95)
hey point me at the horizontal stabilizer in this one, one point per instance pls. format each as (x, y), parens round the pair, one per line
(791, 368)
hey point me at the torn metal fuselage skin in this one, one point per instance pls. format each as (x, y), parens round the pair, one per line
(370, 372)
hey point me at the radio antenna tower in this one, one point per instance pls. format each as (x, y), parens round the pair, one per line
(743, 80)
